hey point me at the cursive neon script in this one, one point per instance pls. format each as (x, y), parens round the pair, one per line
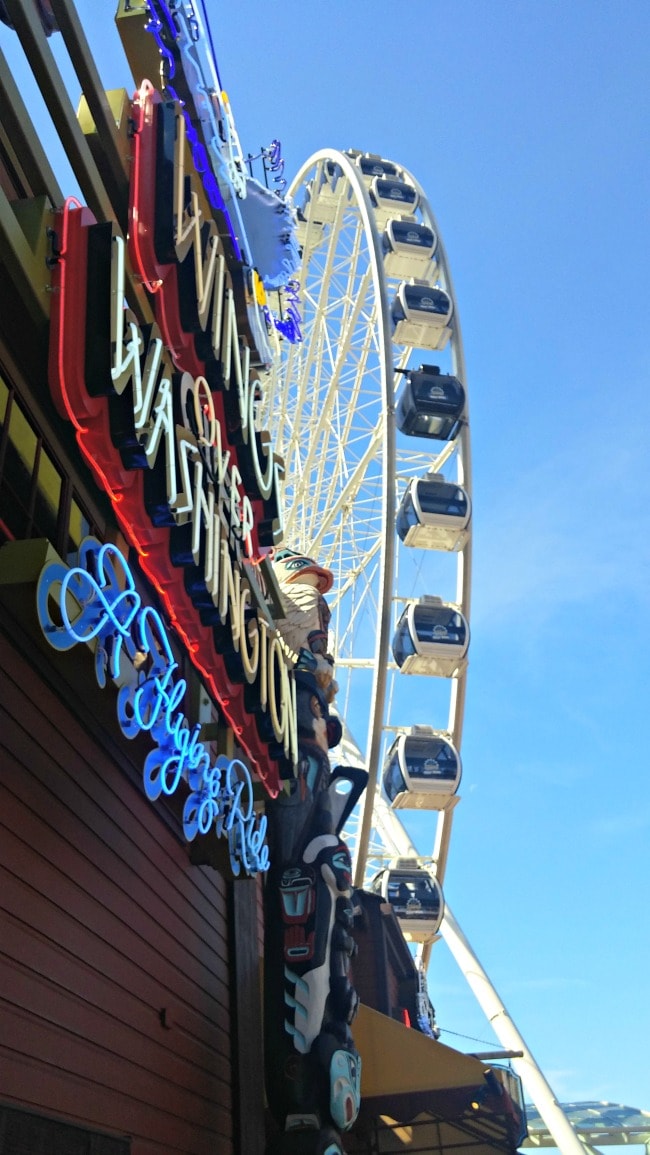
(97, 602)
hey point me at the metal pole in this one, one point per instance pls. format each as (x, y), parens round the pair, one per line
(566, 1139)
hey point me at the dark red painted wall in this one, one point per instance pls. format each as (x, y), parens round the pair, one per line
(104, 925)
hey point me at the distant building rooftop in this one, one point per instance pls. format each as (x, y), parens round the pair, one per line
(607, 1124)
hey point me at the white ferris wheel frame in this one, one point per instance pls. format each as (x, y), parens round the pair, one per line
(376, 813)
(381, 443)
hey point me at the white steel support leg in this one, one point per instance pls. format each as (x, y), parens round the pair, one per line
(536, 1085)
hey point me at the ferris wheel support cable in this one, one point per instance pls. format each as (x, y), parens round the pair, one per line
(363, 360)
(531, 1076)
(434, 465)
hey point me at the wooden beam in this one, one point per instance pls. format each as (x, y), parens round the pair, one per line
(25, 19)
(248, 1055)
(23, 248)
(118, 188)
(139, 45)
(25, 141)
(112, 159)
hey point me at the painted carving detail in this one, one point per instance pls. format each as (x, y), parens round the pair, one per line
(313, 1067)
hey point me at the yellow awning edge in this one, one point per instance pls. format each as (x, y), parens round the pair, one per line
(397, 1059)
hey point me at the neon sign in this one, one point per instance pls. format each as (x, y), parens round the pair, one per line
(273, 156)
(199, 81)
(289, 325)
(165, 417)
(182, 36)
(98, 603)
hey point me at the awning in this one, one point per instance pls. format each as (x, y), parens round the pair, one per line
(417, 1092)
(398, 1060)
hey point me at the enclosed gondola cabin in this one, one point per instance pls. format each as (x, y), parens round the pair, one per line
(326, 191)
(409, 249)
(392, 198)
(422, 771)
(431, 638)
(415, 896)
(434, 514)
(304, 226)
(421, 314)
(431, 404)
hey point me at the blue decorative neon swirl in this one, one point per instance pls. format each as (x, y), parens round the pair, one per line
(97, 602)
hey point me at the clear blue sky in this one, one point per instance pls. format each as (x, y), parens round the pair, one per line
(526, 122)
(527, 125)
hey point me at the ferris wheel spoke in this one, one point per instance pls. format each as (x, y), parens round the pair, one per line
(365, 372)
(349, 490)
(347, 631)
(408, 462)
(325, 429)
(307, 354)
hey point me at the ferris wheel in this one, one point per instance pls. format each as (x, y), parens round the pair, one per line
(370, 414)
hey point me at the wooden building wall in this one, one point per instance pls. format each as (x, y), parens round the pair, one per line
(114, 969)
(129, 978)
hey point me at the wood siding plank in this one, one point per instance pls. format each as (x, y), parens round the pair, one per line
(104, 923)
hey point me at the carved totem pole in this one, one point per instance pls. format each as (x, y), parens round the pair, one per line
(313, 1069)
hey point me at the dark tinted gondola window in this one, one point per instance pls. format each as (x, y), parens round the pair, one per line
(446, 393)
(406, 516)
(376, 167)
(429, 758)
(433, 624)
(403, 645)
(442, 499)
(398, 893)
(405, 232)
(395, 190)
(394, 783)
(413, 897)
(426, 300)
(332, 169)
